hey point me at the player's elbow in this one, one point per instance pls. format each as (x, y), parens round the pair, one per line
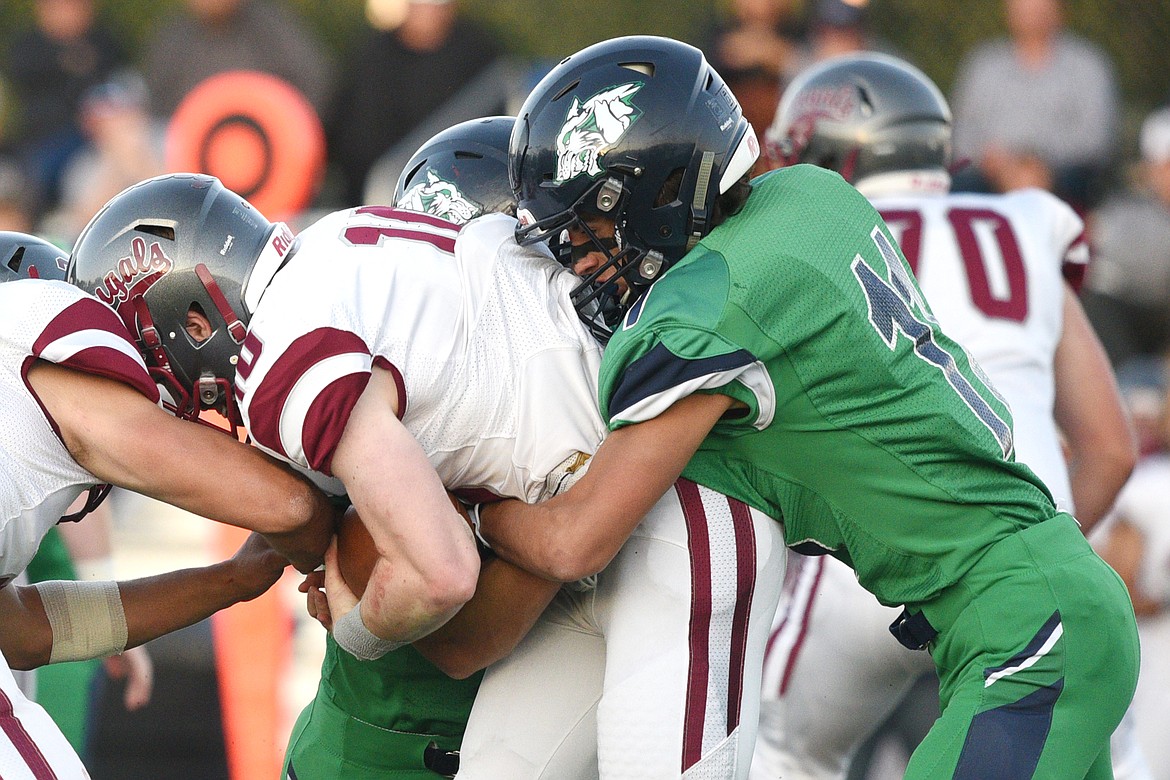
(27, 639)
(449, 588)
(572, 562)
(457, 662)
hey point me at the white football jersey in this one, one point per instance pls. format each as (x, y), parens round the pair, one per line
(497, 377)
(57, 322)
(992, 269)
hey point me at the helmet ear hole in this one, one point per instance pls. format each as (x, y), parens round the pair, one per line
(670, 189)
(16, 260)
(166, 232)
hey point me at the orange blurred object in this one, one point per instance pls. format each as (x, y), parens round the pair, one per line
(255, 132)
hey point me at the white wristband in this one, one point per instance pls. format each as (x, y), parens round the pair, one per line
(473, 513)
(86, 617)
(352, 636)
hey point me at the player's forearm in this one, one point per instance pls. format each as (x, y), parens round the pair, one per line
(152, 606)
(1096, 481)
(506, 604)
(163, 603)
(402, 604)
(550, 539)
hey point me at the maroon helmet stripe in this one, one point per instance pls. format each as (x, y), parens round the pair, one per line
(24, 744)
(805, 615)
(700, 628)
(745, 564)
(88, 314)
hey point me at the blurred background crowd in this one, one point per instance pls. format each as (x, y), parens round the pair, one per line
(1069, 95)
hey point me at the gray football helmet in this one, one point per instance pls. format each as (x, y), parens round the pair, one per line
(27, 257)
(861, 115)
(177, 243)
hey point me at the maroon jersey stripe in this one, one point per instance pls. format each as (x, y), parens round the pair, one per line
(89, 314)
(329, 411)
(700, 627)
(804, 621)
(22, 741)
(745, 565)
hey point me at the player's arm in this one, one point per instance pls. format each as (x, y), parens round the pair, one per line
(578, 533)
(427, 558)
(53, 622)
(1123, 549)
(506, 604)
(508, 601)
(1101, 445)
(120, 437)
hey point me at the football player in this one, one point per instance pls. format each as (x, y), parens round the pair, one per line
(772, 343)
(994, 270)
(81, 411)
(403, 712)
(494, 377)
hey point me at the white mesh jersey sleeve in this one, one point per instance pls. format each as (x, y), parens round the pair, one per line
(57, 322)
(496, 376)
(992, 269)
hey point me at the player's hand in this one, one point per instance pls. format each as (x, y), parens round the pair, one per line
(257, 566)
(339, 599)
(133, 665)
(316, 604)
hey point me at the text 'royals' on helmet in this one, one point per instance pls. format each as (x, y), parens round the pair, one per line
(641, 129)
(862, 115)
(27, 257)
(178, 243)
(461, 172)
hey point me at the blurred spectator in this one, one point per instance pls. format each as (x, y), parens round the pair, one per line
(840, 27)
(1136, 543)
(16, 207)
(1042, 92)
(757, 49)
(421, 67)
(123, 147)
(205, 37)
(49, 67)
(1127, 295)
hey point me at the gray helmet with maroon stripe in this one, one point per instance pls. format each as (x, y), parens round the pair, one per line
(27, 257)
(177, 243)
(861, 115)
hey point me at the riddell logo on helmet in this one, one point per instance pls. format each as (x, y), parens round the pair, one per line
(134, 273)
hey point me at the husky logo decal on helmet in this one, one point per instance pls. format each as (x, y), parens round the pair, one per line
(440, 198)
(594, 127)
(461, 172)
(639, 129)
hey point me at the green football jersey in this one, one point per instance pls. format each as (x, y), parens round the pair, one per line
(867, 431)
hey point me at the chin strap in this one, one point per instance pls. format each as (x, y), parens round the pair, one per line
(235, 327)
